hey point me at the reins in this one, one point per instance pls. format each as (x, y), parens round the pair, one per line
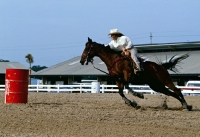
(91, 60)
(115, 61)
(114, 77)
(109, 69)
(110, 66)
(99, 69)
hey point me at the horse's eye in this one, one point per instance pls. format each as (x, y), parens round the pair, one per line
(87, 48)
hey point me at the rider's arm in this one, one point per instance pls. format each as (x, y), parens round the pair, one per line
(129, 43)
(110, 44)
(125, 42)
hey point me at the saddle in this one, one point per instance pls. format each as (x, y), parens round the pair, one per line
(134, 66)
(127, 53)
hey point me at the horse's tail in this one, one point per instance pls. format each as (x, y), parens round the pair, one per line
(173, 61)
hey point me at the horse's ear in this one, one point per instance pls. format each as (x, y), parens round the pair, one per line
(89, 39)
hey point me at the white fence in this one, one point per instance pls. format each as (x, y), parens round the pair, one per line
(103, 89)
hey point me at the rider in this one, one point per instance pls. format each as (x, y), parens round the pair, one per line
(120, 42)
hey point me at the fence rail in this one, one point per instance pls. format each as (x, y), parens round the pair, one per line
(103, 89)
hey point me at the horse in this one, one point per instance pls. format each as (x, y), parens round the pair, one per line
(121, 69)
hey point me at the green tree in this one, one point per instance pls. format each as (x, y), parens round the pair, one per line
(29, 59)
(2, 60)
(38, 68)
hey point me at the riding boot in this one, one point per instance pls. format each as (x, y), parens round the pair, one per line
(141, 66)
(137, 70)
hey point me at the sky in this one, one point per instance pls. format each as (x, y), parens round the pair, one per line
(54, 31)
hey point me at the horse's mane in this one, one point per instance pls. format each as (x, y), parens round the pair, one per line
(108, 49)
(169, 64)
(111, 50)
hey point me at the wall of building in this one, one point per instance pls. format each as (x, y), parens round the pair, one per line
(2, 79)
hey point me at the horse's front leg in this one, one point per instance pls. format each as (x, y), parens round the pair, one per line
(140, 95)
(127, 101)
(127, 78)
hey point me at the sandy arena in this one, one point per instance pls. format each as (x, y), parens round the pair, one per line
(98, 115)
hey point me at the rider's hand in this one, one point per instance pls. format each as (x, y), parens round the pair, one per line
(126, 53)
(123, 49)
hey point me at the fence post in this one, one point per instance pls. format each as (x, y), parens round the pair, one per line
(37, 88)
(58, 87)
(126, 91)
(49, 88)
(81, 88)
(102, 88)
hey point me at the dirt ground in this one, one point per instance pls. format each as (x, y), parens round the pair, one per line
(98, 115)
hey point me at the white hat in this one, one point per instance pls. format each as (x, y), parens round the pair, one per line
(114, 31)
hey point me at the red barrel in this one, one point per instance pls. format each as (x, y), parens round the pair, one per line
(16, 87)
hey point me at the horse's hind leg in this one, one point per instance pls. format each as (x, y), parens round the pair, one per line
(178, 92)
(167, 81)
(162, 89)
(140, 95)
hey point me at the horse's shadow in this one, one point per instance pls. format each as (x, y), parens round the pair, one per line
(43, 103)
(168, 108)
(197, 110)
(181, 109)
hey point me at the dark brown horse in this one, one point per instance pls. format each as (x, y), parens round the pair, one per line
(120, 68)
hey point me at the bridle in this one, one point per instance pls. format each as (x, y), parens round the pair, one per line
(89, 59)
(110, 67)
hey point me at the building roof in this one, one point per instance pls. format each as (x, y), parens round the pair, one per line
(190, 65)
(168, 46)
(13, 65)
(153, 52)
(73, 67)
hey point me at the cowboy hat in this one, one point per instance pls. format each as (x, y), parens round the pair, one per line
(114, 31)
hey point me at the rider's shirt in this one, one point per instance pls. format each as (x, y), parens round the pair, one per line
(121, 42)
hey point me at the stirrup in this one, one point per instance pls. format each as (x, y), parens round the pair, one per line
(141, 69)
(136, 71)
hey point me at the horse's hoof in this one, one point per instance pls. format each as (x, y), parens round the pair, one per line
(137, 107)
(129, 103)
(140, 95)
(189, 107)
(134, 104)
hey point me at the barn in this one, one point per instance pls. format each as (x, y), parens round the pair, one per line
(72, 71)
(11, 65)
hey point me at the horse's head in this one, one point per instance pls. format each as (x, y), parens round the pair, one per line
(89, 52)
